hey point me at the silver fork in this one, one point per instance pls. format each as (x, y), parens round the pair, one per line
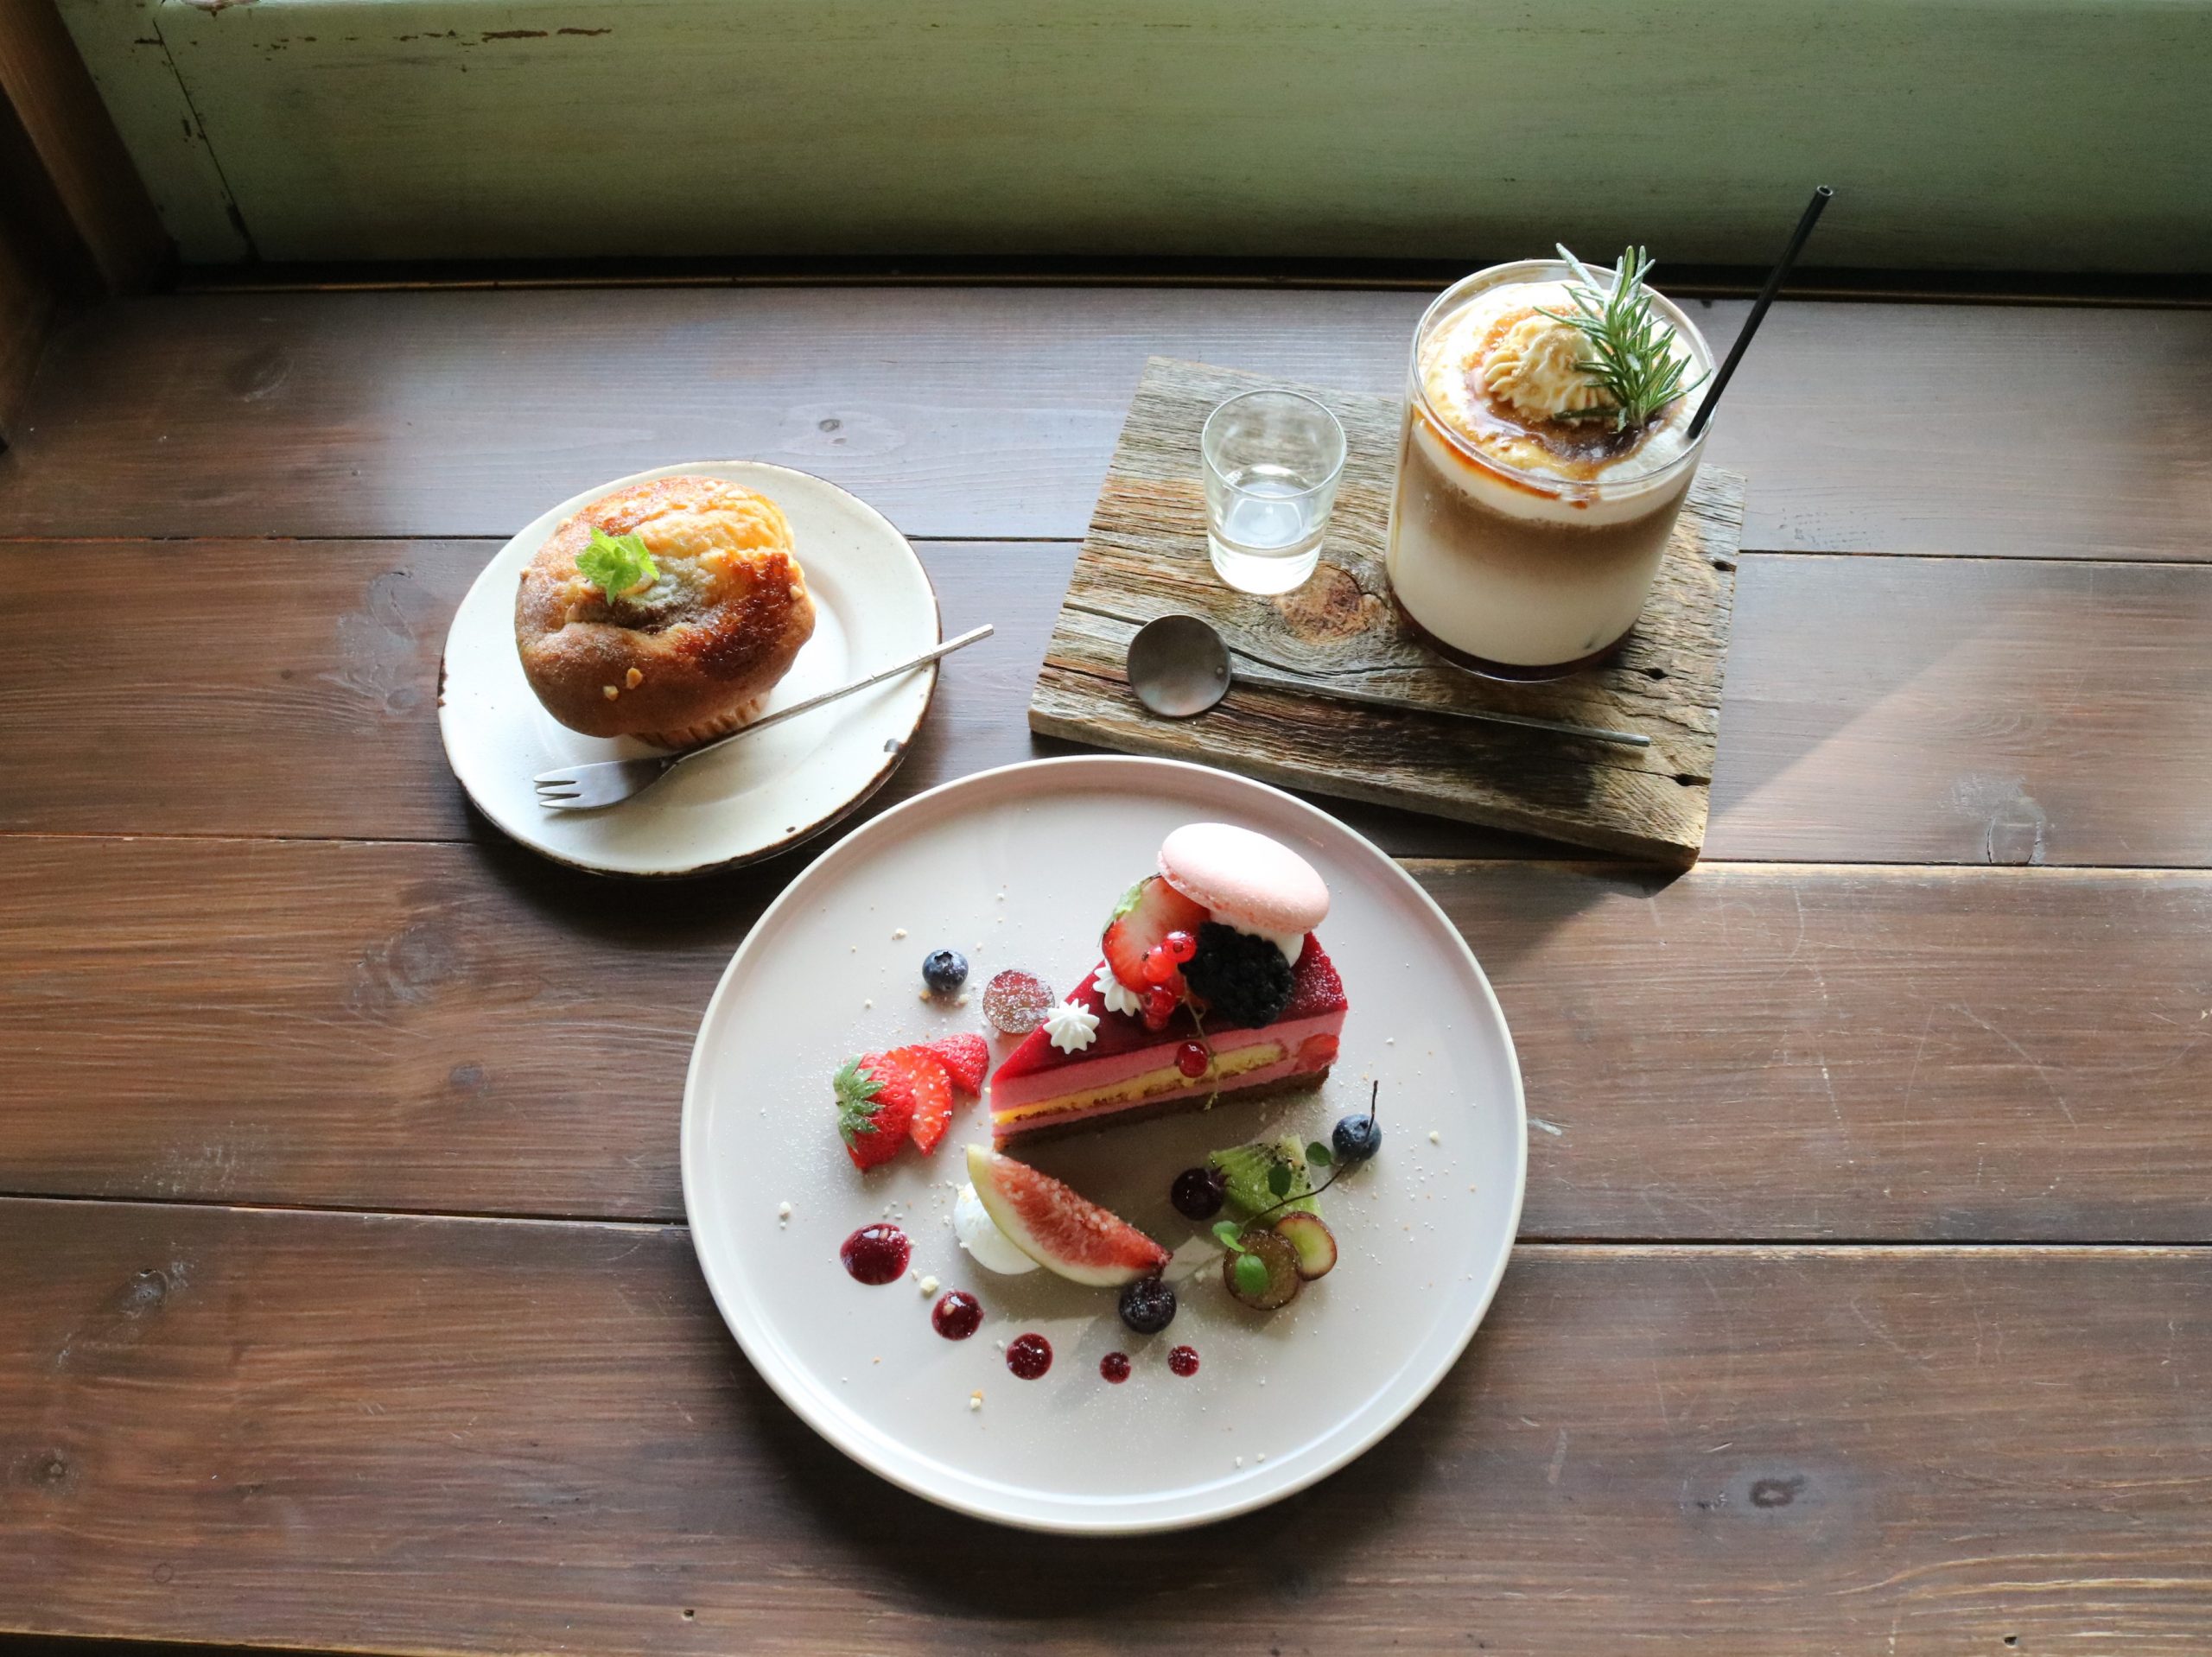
(584, 788)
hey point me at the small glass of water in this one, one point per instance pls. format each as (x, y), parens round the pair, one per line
(1272, 459)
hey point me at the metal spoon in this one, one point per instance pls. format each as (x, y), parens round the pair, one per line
(1178, 667)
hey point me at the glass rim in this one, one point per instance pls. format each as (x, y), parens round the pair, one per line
(1336, 472)
(1547, 482)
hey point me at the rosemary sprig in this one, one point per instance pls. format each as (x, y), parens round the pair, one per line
(1632, 351)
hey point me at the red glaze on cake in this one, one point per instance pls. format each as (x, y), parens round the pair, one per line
(1129, 1073)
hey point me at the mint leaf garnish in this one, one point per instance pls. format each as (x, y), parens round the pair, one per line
(1251, 1275)
(1230, 1235)
(1279, 1180)
(617, 564)
(1318, 1154)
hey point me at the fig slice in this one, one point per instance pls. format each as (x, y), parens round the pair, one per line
(1063, 1232)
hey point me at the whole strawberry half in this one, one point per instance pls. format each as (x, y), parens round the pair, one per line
(875, 1108)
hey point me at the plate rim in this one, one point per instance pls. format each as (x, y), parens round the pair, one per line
(691, 1151)
(868, 790)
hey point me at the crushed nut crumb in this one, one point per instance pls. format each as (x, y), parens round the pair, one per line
(633, 678)
(610, 692)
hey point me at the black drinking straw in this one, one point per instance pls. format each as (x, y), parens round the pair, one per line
(1821, 197)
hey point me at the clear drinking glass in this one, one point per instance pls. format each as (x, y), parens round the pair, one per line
(1272, 460)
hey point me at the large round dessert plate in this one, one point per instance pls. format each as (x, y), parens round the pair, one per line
(1021, 867)
(873, 605)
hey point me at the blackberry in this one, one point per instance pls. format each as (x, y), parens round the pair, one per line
(1243, 978)
(1147, 1305)
(944, 970)
(1197, 1193)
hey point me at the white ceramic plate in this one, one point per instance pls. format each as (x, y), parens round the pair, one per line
(1020, 868)
(872, 606)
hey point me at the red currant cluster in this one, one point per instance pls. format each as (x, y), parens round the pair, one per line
(1163, 975)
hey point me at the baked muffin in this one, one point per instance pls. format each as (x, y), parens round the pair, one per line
(708, 609)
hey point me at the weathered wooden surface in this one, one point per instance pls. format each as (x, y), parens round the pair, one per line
(454, 1435)
(992, 412)
(1767, 1051)
(459, 1433)
(1878, 708)
(1341, 634)
(1968, 711)
(2055, 137)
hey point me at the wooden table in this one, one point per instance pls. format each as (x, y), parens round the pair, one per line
(1863, 1303)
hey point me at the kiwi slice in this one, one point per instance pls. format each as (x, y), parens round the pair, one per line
(1281, 1283)
(1249, 1176)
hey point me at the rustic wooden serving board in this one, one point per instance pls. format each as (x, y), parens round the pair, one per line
(1145, 556)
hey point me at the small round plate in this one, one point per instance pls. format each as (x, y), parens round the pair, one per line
(873, 605)
(1018, 867)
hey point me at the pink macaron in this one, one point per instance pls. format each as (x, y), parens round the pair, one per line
(1249, 881)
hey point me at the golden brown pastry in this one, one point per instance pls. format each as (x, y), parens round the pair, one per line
(709, 610)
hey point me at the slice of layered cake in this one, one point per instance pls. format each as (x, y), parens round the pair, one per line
(1213, 986)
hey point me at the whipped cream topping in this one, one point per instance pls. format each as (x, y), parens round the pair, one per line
(987, 1246)
(1456, 357)
(1537, 369)
(1071, 1027)
(1118, 996)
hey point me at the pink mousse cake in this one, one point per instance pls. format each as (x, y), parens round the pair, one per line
(1213, 985)
(1130, 1073)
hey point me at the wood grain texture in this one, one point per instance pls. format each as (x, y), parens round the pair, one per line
(1878, 708)
(1972, 712)
(2059, 136)
(443, 1435)
(1744, 1052)
(1342, 635)
(288, 689)
(992, 412)
(84, 161)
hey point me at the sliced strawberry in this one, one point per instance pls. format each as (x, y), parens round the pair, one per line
(923, 1078)
(1148, 911)
(965, 1060)
(875, 1105)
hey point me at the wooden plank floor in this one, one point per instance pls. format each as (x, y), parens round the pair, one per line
(1863, 1302)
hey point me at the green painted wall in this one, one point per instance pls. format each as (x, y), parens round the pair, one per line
(2025, 134)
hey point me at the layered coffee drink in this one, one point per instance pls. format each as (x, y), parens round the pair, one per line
(1545, 458)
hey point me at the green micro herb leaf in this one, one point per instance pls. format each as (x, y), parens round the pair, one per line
(856, 1105)
(1230, 1235)
(1319, 1154)
(1279, 1180)
(1632, 352)
(1251, 1273)
(617, 564)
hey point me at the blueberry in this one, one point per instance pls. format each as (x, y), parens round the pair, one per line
(1147, 1305)
(1357, 1139)
(1197, 1193)
(944, 970)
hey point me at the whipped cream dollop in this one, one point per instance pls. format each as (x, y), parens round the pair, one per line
(1537, 369)
(1118, 996)
(1071, 1027)
(1456, 363)
(979, 1233)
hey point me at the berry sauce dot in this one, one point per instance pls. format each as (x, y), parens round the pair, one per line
(957, 1315)
(1115, 1367)
(1029, 1355)
(1184, 1361)
(875, 1255)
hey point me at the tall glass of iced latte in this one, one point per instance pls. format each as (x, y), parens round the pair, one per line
(1533, 506)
